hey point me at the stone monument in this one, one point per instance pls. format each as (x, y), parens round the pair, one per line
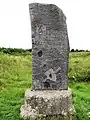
(49, 96)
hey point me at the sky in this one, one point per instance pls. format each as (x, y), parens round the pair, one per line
(15, 24)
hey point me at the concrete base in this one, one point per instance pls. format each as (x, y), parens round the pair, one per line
(49, 104)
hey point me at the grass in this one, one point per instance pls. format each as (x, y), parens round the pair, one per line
(79, 81)
(81, 100)
(16, 76)
(79, 66)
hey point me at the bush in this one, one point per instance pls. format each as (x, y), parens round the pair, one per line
(72, 50)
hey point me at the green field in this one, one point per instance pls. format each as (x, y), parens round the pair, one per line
(16, 76)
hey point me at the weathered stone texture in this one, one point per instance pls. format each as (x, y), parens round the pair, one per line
(50, 47)
(50, 98)
(48, 103)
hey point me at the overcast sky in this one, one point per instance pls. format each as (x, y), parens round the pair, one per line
(15, 29)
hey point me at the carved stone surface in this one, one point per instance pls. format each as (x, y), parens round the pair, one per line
(50, 47)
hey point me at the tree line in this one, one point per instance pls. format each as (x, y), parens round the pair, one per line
(27, 51)
(77, 50)
(15, 50)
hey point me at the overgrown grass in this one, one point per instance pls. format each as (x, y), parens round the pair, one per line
(15, 78)
(79, 67)
(16, 75)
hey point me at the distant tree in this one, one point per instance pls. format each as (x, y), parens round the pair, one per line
(5, 51)
(30, 50)
(76, 50)
(87, 50)
(72, 50)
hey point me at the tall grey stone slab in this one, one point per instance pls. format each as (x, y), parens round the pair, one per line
(50, 97)
(50, 47)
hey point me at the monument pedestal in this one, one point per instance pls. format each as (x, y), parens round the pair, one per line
(48, 104)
